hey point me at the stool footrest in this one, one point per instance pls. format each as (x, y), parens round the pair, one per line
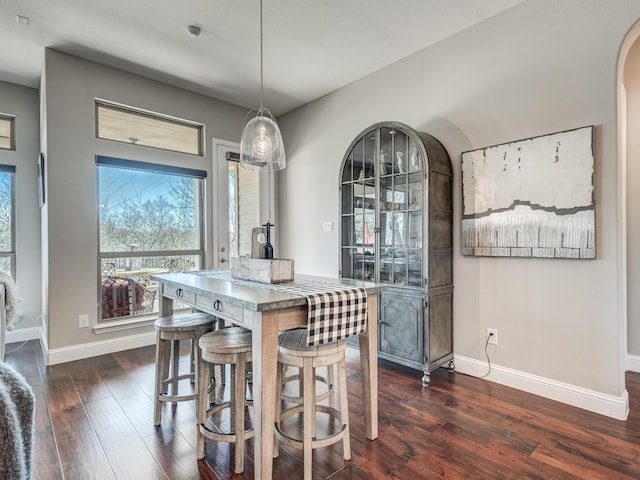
(186, 376)
(319, 396)
(163, 397)
(315, 443)
(229, 437)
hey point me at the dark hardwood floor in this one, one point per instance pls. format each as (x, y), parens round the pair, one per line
(94, 420)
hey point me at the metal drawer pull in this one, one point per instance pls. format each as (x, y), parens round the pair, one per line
(179, 293)
(217, 306)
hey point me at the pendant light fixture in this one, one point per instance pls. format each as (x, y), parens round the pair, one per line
(261, 144)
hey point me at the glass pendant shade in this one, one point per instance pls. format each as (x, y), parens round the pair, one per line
(261, 145)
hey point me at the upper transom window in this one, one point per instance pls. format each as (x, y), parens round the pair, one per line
(130, 125)
(7, 132)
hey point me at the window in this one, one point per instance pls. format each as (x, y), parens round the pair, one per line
(130, 125)
(7, 132)
(7, 220)
(150, 221)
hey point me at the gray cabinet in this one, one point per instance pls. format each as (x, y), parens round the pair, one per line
(396, 228)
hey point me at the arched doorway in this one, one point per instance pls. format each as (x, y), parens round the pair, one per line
(629, 182)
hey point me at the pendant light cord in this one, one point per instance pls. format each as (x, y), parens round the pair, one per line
(261, 94)
(261, 59)
(269, 193)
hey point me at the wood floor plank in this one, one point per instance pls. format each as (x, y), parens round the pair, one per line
(46, 462)
(139, 364)
(126, 451)
(81, 455)
(137, 405)
(574, 464)
(173, 453)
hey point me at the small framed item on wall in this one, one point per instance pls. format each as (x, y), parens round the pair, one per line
(531, 198)
(42, 197)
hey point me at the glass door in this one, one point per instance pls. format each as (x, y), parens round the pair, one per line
(401, 193)
(242, 202)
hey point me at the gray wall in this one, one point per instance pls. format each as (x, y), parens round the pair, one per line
(543, 66)
(23, 102)
(71, 86)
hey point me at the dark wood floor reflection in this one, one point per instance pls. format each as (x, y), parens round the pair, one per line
(94, 420)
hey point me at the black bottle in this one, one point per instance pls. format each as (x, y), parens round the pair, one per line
(267, 250)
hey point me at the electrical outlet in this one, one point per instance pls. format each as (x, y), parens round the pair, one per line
(492, 335)
(83, 321)
(327, 226)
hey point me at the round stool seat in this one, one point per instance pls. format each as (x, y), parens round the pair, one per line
(184, 322)
(170, 330)
(294, 343)
(228, 346)
(233, 340)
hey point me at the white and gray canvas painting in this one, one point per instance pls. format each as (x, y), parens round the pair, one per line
(530, 198)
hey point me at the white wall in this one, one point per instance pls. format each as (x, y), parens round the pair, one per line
(632, 86)
(23, 102)
(69, 91)
(543, 66)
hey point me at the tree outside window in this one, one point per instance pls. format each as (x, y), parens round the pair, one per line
(7, 251)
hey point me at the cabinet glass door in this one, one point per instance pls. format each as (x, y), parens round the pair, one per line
(382, 200)
(358, 243)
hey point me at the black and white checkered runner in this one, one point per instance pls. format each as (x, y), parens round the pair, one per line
(335, 311)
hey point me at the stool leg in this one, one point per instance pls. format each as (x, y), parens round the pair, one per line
(193, 365)
(175, 350)
(309, 409)
(313, 386)
(203, 373)
(280, 374)
(161, 355)
(331, 382)
(232, 398)
(240, 387)
(301, 382)
(344, 409)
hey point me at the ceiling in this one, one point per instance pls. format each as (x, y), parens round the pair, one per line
(310, 47)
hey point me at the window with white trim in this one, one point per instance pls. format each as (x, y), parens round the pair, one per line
(7, 132)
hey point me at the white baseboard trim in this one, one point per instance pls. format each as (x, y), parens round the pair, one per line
(23, 334)
(55, 356)
(633, 363)
(609, 405)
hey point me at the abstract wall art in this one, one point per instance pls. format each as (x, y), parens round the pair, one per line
(531, 198)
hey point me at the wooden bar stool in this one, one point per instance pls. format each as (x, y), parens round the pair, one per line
(169, 332)
(228, 346)
(293, 351)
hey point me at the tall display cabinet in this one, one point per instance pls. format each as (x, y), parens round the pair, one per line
(397, 228)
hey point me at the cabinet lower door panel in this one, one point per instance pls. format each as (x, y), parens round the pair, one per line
(401, 327)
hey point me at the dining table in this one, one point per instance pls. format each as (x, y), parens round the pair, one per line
(267, 310)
